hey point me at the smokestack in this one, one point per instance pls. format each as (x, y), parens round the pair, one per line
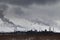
(49, 28)
(53, 29)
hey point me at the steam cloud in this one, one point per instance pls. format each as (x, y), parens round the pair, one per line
(6, 20)
(3, 18)
(32, 10)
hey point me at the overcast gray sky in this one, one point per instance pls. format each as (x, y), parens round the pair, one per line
(33, 14)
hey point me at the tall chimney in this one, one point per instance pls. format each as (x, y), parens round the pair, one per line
(53, 29)
(49, 28)
(15, 28)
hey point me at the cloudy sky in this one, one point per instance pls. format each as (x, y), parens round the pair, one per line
(31, 14)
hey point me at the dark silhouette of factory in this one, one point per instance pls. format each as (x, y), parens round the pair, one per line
(19, 32)
(31, 32)
(36, 32)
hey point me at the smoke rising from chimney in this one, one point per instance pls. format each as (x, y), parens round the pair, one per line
(2, 9)
(5, 20)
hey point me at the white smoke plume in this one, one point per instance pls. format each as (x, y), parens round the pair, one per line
(45, 12)
(9, 23)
